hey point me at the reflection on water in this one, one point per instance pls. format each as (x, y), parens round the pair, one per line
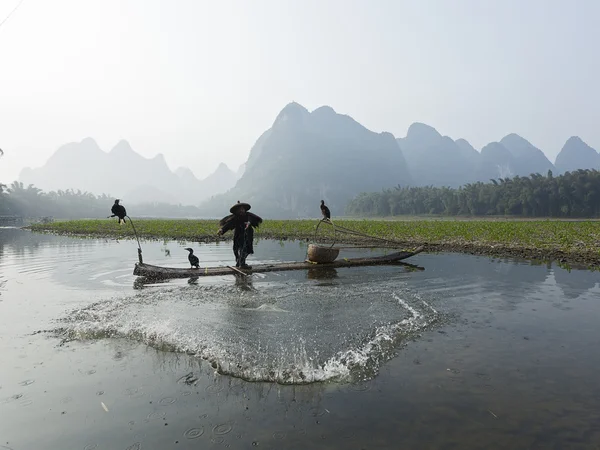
(470, 353)
(328, 273)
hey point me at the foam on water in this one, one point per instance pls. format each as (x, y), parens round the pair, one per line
(290, 333)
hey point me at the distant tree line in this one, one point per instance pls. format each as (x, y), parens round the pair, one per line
(31, 202)
(574, 194)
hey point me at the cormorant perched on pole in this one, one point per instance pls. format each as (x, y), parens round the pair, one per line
(193, 259)
(118, 211)
(325, 211)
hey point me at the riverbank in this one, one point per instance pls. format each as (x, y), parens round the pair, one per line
(573, 243)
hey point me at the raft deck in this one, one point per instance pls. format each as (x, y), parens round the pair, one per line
(150, 271)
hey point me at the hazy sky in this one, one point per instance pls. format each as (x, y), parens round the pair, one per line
(199, 81)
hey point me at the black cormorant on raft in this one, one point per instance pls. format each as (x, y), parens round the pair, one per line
(118, 211)
(156, 272)
(193, 259)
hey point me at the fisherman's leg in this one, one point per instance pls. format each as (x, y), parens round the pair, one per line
(237, 255)
(243, 257)
(247, 248)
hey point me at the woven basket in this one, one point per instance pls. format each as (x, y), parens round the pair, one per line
(322, 255)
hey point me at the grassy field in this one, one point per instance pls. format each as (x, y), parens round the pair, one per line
(567, 241)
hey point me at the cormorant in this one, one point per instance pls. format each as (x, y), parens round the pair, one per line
(118, 211)
(193, 259)
(325, 211)
(243, 223)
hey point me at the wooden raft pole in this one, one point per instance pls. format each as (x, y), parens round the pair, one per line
(235, 269)
(150, 271)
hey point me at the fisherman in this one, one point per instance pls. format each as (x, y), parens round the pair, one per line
(118, 211)
(243, 224)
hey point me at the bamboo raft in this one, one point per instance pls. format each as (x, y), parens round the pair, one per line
(157, 272)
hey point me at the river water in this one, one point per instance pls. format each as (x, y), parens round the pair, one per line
(457, 352)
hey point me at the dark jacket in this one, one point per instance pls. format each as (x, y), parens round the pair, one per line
(242, 235)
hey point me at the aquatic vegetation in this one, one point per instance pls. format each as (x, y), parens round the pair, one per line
(568, 237)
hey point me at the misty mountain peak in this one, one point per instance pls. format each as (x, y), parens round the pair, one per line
(467, 151)
(496, 162)
(160, 164)
(575, 141)
(185, 172)
(465, 145)
(576, 145)
(514, 138)
(495, 148)
(576, 154)
(517, 144)
(529, 159)
(222, 167)
(292, 112)
(290, 165)
(421, 131)
(125, 173)
(89, 144)
(122, 148)
(160, 158)
(294, 106)
(324, 111)
(87, 149)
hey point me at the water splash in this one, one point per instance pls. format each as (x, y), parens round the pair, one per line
(284, 333)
